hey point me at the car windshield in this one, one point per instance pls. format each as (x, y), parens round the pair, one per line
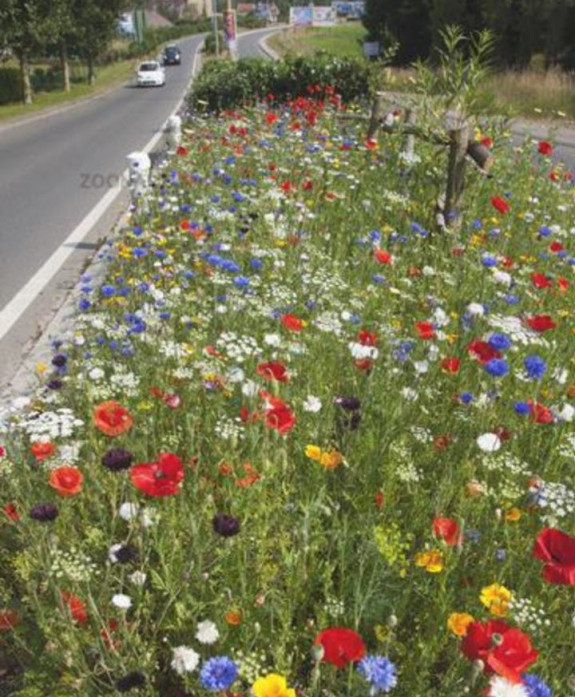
(148, 67)
(172, 49)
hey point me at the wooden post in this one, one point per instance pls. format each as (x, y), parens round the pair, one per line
(376, 110)
(409, 144)
(458, 142)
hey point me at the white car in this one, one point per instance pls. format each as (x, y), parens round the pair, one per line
(151, 74)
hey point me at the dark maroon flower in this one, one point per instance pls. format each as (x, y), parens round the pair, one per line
(225, 525)
(348, 403)
(44, 512)
(59, 360)
(117, 459)
(55, 384)
(130, 681)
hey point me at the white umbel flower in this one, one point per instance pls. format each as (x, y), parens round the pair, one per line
(184, 660)
(489, 442)
(500, 687)
(124, 602)
(207, 632)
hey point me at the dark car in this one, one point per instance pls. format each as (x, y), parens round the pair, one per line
(172, 56)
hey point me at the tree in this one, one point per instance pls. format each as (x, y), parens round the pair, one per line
(403, 21)
(62, 32)
(96, 22)
(23, 29)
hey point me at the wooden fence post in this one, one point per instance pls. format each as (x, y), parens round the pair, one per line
(458, 143)
(376, 112)
(409, 144)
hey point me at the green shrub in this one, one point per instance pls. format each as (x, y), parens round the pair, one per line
(10, 87)
(225, 85)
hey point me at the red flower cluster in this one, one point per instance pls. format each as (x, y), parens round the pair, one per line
(557, 550)
(503, 649)
(500, 204)
(340, 646)
(161, 478)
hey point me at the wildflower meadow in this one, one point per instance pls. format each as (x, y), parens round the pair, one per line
(301, 441)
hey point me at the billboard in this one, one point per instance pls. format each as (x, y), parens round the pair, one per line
(301, 16)
(323, 17)
(351, 9)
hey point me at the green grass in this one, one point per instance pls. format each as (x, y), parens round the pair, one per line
(107, 76)
(342, 40)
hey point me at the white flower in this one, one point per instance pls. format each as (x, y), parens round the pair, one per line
(359, 351)
(185, 660)
(207, 632)
(96, 374)
(112, 552)
(489, 442)
(500, 687)
(272, 339)
(311, 404)
(475, 309)
(502, 277)
(138, 578)
(128, 511)
(421, 366)
(235, 374)
(122, 601)
(567, 413)
(250, 388)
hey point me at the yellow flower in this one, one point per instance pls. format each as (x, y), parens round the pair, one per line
(273, 685)
(313, 452)
(331, 460)
(432, 561)
(41, 367)
(458, 622)
(496, 599)
(513, 515)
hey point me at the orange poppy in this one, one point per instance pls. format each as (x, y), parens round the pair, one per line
(66, 480)
(42, 450)
(112, 419)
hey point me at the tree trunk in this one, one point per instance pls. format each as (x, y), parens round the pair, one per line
(65, 66)
(91, 73)
(25, 79)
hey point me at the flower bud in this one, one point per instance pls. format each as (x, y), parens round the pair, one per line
(317, 652)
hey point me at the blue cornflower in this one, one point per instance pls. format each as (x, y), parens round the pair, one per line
(488, 260)
(466, 397)
(256, 264)
(137, 230)
(497, 367)
(139, 252)
(500, 554)
(545, 231)
(218, 673)
(380, 673)
(477, 224)
(535, 367)
(500, 342)
(522, 408)
(535, 686)
(375, 235)
(84, 305)
(473, 535)
(378, 278)
(241, 281)
(108, 291)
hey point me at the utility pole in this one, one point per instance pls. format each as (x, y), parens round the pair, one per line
(215, 25)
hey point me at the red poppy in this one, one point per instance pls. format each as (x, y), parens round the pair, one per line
(483, 351)
(545, 148)
(364, 364)
(487, 142)
(509, 655)
(281, 418)
(540, 280)
(161, 478)
(251, 477)
(379, 499)
(291, 322)
(540, 413)
(340, 646)
(450, 364)
(181, 150)
(307, 185)
(500, 204)
(271, 118)
(563, 284)
(75, 606)
(556, 247)
(67, 481)
(8, 620)
(382, 256)
(11, 511)
(366, 338)
(448, 530)
(171, 399)
(557, 550)
(540, 323)
(273, 371)
(425, 330)
(112, 418)
(42, 450)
